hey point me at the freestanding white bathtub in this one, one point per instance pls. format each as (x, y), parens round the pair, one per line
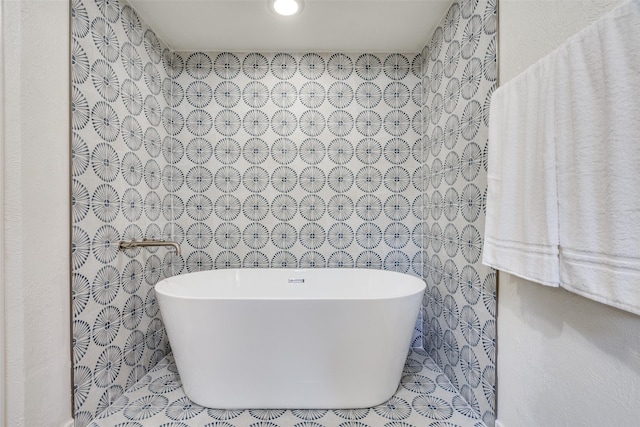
(287, 339)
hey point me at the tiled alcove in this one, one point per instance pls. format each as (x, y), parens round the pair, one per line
(256, 159)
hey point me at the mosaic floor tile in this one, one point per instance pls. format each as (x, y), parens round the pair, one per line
(425, 398)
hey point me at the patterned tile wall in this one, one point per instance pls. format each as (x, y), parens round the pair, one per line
(459, 76)
(117, 74)
(295, 160)
(253, 160)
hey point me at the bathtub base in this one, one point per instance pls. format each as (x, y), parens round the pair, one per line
(273, 360)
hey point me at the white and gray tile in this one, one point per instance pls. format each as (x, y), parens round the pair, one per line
(281, 159)
(425, 397)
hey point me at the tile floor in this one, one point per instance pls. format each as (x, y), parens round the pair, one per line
(424, 398)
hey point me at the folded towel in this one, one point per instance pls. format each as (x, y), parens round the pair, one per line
(597, 130)
(521, 228)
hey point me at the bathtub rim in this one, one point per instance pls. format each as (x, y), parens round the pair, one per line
(409, 286)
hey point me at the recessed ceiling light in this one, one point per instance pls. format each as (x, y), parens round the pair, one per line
(286, 7)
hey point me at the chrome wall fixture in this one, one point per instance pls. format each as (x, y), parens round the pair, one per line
(124, 244)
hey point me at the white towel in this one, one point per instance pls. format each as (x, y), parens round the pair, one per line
(597, 128)
(563, 204)
(521, 228)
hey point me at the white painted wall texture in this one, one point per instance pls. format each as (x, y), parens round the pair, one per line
(563, 360)
(35, 213)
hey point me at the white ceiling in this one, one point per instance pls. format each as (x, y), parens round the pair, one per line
(323, 25)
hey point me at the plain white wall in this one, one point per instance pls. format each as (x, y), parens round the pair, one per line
(35, 210)
(563, 360)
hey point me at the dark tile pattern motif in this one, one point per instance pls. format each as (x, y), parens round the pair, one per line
(294, 160)
(117, 70)
(425, 397)
(458, 77)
